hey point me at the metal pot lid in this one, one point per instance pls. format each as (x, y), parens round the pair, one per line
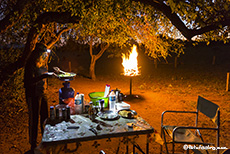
(108, 115)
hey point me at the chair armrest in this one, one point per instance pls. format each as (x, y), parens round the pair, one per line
(173, 111)
(190, 127)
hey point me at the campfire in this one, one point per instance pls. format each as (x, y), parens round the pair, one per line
(130, 65)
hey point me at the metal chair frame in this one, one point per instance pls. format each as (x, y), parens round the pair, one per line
(217, 128)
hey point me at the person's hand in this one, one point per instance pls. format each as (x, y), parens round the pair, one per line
(52, 74)
(56, 69)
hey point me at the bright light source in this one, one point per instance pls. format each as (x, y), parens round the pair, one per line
(48, 50)
(130, 63)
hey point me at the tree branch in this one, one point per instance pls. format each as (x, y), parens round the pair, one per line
(173, 17)
(45, 18)
(178, 23)
(214, 26)
(91, 46)
(16, 13)
(102, 50)
(58, 17)
(57, 37)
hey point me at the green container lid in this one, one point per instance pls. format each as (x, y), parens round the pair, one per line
(96, 96)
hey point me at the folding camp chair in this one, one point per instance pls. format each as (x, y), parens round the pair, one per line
(185, 135)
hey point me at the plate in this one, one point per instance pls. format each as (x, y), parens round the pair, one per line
(127, 113)
(66, 77)
(108, 115)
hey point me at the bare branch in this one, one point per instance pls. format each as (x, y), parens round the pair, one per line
(16, 13)
(57, 37)
(178, 23)
(103, 48)
(45, 18)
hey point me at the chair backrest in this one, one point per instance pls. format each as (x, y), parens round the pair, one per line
(209, 109)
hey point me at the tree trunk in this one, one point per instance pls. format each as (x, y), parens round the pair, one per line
(92, 67)
(94, 58)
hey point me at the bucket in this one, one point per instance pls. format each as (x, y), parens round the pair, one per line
(96, 96)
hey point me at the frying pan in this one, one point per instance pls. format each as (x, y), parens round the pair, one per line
(66, 76)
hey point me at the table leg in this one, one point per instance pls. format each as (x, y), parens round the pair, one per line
(147, 143)
(133, 149)
(55, 149)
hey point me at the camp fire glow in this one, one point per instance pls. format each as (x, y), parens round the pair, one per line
(130, 63)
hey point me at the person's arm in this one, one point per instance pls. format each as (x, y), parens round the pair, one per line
(44, 75)
(34, 80)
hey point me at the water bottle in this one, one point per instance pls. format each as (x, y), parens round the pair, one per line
(112, 100)
(79, 98)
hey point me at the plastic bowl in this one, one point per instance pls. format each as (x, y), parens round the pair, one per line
(96, 96)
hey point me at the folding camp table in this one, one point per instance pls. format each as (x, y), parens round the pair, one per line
(83, 129)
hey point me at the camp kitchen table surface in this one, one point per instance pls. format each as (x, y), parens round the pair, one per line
(62, 134)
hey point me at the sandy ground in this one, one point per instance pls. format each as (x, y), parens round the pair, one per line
(164, 88)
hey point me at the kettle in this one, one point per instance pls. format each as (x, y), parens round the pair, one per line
(119, 95)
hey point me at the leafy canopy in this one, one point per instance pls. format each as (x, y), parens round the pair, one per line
(156, 24)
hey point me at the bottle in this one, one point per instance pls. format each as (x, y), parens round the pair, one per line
(52, 114)
(65, 93)
(57, 113)
(91, 112)
(82, 103)
(67, 112)
(63, 114)
(117, 92)
(112, 100)
(101, 105)
(78, 103)
(107, 88)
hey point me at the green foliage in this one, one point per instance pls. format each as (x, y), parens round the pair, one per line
(12, 94)
(103, 21)
(12, 89)
(118, 21)
(8, 56)
(202, 13)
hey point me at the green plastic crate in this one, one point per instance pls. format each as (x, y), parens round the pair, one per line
(96, 96)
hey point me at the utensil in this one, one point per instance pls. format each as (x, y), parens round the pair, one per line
(58, 70)
(93, 130)
(73, 127)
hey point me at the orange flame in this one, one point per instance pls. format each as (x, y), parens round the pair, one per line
(130, 63)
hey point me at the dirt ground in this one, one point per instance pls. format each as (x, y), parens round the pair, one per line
(164, 88)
